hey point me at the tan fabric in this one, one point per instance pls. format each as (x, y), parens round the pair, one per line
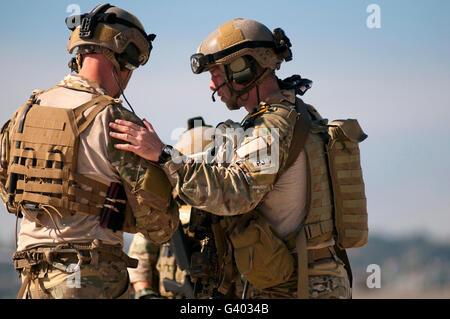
(92, 162)
(284, 207)
(348, 184)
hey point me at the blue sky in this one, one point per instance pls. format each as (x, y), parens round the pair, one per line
(395, 80)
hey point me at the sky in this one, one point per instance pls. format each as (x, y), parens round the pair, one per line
(394, 79)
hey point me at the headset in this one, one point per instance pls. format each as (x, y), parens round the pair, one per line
(241, 70)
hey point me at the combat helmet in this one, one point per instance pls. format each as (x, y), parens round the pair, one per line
(194, 141)
(112, 31)
(235, 46)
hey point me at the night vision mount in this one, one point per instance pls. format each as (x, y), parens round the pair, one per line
(89, 21)
(297, 83)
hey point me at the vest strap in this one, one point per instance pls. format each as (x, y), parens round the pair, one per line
(301, 130)
(302, 262)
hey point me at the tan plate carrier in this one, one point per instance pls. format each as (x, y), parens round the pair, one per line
(44, 157)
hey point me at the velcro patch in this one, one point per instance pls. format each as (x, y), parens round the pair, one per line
(261, 164)
(253, 146)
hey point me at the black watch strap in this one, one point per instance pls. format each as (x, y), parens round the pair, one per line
(166, 154)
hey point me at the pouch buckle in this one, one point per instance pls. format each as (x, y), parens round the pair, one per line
(67, 268)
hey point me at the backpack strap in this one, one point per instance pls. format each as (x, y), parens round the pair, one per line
(301, 130)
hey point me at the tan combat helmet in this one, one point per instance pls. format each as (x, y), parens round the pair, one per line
(196, 138)
(112, 31)
(230, 47)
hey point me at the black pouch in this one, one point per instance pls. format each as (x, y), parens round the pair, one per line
(113, 212)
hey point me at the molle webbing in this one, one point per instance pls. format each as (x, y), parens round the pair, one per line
(336, 202)
(348, 185)
(319, 220)
(47, 159)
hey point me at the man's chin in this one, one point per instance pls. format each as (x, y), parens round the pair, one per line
(232, 106)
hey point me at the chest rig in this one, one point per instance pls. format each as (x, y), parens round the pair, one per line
(42, 171)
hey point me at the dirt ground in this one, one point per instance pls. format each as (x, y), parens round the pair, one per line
(401, 294)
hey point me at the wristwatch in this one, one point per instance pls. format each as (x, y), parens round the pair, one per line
(166, 154)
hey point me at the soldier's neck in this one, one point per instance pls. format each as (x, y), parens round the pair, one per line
(267, 88)
(96, 67)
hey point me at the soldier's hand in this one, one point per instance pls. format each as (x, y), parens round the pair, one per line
(144, 142)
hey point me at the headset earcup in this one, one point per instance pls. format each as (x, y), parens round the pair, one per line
(246, 75)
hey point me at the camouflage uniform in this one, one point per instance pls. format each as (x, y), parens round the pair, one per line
(147, 253)
(276, 208)
(245, 185)
(105, 277)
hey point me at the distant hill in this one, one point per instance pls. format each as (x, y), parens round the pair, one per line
(413, 267)
(9, 279)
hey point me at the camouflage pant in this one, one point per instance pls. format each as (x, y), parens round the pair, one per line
(328, 279)
(147, 253)
(155, 264)
(106, 280)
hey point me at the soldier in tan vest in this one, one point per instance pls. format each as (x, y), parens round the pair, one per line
(60, 171)
(282, 232)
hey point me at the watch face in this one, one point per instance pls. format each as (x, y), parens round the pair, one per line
(166, 153)
(167, 149)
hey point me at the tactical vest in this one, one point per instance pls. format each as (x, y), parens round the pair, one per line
(337, 202)
(42, 171)
(336, 206)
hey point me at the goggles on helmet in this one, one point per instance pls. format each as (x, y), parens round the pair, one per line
(281, 46)
(200, 62)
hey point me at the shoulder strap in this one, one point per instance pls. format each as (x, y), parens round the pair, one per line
(101, 101)
(300, 135)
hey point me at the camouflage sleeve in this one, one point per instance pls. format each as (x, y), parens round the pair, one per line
(156, 216)
(239, 186)
(147, 254)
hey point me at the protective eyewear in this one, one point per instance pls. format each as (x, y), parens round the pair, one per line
(200, 62)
